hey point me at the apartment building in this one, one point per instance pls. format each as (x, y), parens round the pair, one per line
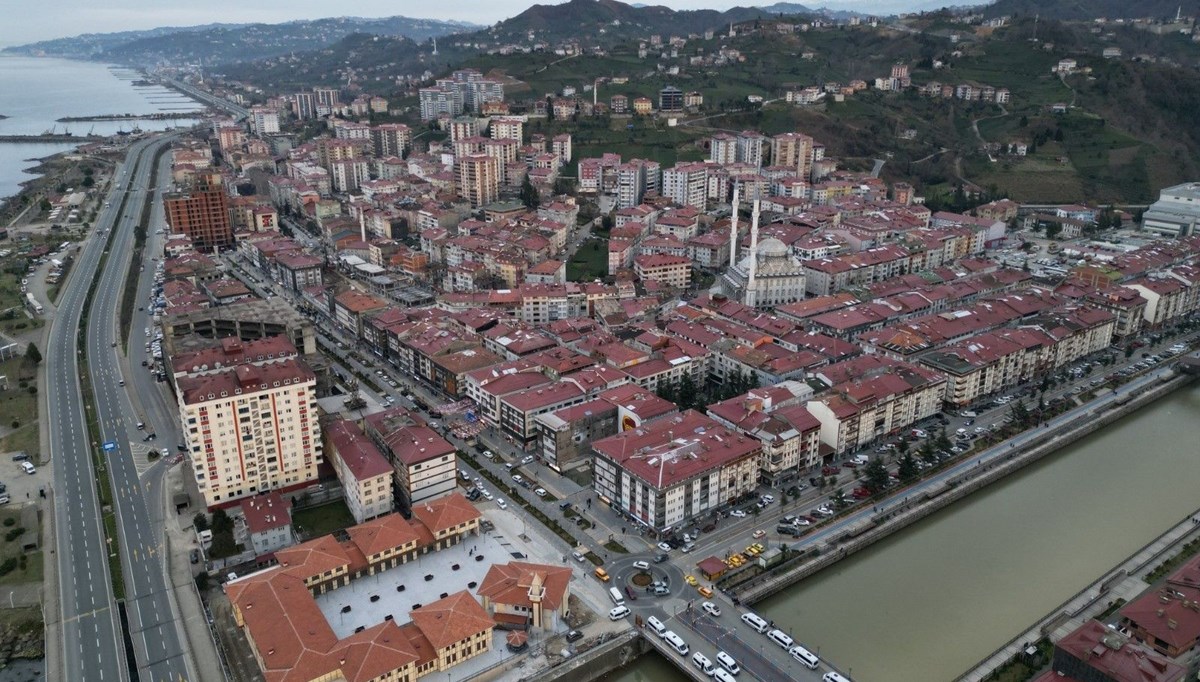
(250, 428)
(268, 522)
(778, 418)
(875, 397)
(391, 139)
(670, 271)
(793, 150)
(666, 474)
(478, 177)
(200, 209)
(364, 472)
(424, 465)
(686, 184)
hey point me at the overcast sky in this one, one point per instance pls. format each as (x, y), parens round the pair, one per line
(60, 18)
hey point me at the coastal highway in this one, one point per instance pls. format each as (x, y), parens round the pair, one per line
(153, 624)
(93, 647)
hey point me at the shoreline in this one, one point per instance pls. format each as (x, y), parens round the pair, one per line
(854, 540)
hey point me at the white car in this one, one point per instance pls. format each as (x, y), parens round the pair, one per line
(737, 513)
(540, 492)
(526, 459)
(501, 503)
(487, 454)
(641, 565)
(768, 498)
(664, 546)
(486, 494)
(618, 612)
(711, 609)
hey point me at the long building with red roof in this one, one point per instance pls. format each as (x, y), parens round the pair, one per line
(293, 641)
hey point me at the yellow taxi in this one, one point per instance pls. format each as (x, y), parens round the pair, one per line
(602, 575)
(758, 546)
(705, 592)
(691, 580)
(752, 551)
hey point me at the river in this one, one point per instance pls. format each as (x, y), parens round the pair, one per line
(34, 92)
(939, 596)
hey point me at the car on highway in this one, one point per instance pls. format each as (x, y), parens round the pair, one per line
(691, 580)
(660, 558)
(501, 503)
(737, 513)
(487, 495)
(540, 492)
(618, 612)
(641, 565)
(526, 459)
(711, 609)
(664, 546)
(760, 533)
(517, 478)
(488, 454)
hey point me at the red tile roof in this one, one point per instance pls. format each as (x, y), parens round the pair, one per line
(510, 584)
(266, 512)
(1115, 656)
(448, 621)
(359, 454)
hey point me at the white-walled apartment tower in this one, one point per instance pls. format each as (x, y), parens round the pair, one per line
(249, 415)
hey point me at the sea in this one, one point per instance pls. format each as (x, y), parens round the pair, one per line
(35, 91)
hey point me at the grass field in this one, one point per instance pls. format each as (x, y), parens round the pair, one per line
(10, 520)
(19, 408)
(590, 262)
(322, 520)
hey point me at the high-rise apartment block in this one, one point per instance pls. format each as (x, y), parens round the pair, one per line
(478, 178)
(200, 209)
(391, 139)
(465, 90)
(722, 149)
(793, 150)
(265, 120)
(686, 184)
(328, 97)
(507, 128)
(249, 417)
(670, 98)
(304, 105)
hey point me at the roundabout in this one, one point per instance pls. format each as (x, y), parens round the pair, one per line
(646, 586)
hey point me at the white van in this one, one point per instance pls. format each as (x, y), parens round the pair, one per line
(781, 638)
(755, 622)
(703, 664)
(728, 663)
(805, 656)
(28, 467)
(724, 676)
(834, 676)
(615, 595)
(676, 642)
(657, 626)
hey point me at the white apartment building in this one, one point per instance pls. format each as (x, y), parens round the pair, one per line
(251, 428)
(665, 474)
(364, 472)
(686, 184)
(478, 179)
(723, 149)
(266, 121)
(507, 128)
(424, 465)
(750, 148)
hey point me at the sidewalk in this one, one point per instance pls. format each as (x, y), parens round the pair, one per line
(206, 661)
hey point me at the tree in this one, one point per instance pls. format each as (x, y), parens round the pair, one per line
(875, 476)
(200, 522)
(1020, 413)
(942, 442)
(529, 194)
(32, 354)
(686, 396)
(1053, 229)
(221, 521)
(839, 499)
(908, 468)
(665, 391)
(903, 444)
(927, 454)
